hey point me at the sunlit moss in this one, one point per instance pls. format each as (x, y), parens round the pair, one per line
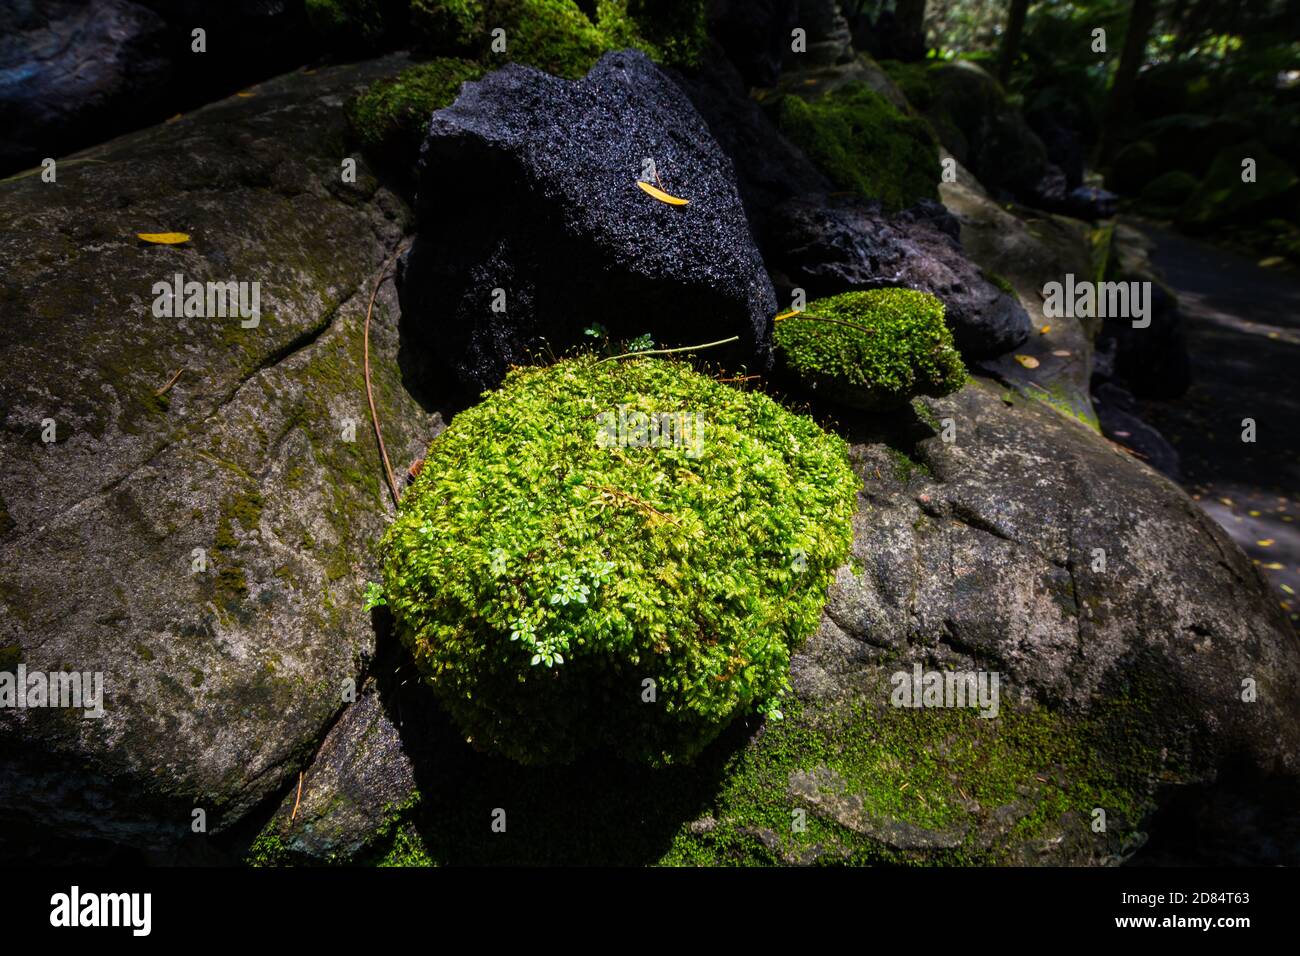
(567, 580)
(872, 349)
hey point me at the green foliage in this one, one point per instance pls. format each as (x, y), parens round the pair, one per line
(881, 347)
(347, 24)
(540, 574)
(393, 113)
(1002, 282)
(673, 32)
(557, 36)
(863, 143)
(1223, 197)
(448, 26)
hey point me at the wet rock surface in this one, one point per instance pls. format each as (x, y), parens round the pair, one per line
(258, 462)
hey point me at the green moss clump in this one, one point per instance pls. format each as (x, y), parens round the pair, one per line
(872, 349)
(551, 35)
(864, 144)
(394, 113)
(391, 116)
(556, 565)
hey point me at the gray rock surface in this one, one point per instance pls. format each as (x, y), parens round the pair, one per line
(1014, 510)
(218, 684)
(75, 72)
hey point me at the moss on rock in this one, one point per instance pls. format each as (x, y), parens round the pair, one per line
(616, 555)
(391, 115)
(864, 144)
(872, 349)
(557, 36)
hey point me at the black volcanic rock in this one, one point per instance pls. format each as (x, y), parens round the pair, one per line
(529, 186)
(830, 245)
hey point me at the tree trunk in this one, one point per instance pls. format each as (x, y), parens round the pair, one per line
(1011, 39)
(1141, 18)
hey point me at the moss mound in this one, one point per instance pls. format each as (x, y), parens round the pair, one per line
(872, 349)
(559, 552)
(392, 114)
(864, 144)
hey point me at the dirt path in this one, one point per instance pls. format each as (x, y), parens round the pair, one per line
(1243, 330)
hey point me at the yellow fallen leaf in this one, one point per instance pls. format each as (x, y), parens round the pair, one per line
(245, 94)
(1028, 361)
(164, 238)
(661, 195)
(1044, 330)
(1266, 542)
(1288, 589)
(786, 315)
(1275, 566)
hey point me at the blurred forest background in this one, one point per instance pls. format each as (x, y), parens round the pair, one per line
(1182, 91)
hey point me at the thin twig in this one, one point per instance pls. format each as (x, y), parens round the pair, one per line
(370, 395)
(293, 816)
(684, 348)
(170, 382)
(610, 490)
(822, 318)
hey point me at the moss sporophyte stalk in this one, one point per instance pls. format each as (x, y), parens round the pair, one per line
(563, 593)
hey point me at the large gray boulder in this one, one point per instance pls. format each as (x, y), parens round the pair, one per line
(532, 227)
(259, 458)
